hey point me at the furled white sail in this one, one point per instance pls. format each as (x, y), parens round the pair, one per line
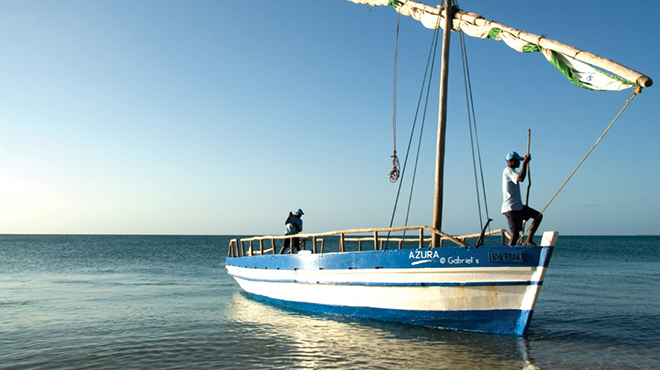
(579, 69)
(372, 2)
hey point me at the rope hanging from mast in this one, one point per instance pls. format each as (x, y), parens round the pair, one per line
(425, 89)
(394, 174)
(474, 137)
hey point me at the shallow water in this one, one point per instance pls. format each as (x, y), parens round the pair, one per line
(144, 302)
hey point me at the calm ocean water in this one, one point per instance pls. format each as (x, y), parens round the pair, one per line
(166, 302)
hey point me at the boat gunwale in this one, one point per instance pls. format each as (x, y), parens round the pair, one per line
(237, 246)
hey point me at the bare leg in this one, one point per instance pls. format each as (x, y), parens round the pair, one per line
(285, 245)
(532, 231)
(514, 238)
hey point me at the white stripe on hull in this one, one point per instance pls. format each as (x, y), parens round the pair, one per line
(402, 276)
(348, 287)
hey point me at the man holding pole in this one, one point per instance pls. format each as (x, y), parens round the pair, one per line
(512, 207)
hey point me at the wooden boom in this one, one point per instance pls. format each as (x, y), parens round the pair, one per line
(545, 43)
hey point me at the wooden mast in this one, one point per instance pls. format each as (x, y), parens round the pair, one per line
(442, 124)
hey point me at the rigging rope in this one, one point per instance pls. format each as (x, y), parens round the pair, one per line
(394, 174)
(421, 130)
(635, 93)
(474, 138)
(430, 62)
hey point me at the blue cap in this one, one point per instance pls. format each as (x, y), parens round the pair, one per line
(514, 155)
(300, 212)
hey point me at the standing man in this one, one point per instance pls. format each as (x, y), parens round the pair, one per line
(512, 206)
(294, 225)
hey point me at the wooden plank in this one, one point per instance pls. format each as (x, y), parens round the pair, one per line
(421, 238)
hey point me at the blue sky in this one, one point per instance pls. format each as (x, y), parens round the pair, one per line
(219, 117)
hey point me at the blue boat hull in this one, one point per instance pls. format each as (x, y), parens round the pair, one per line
(485, 289)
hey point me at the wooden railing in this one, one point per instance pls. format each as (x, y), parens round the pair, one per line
(380, 238)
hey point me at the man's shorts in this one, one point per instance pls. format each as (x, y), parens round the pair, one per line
(516, 218)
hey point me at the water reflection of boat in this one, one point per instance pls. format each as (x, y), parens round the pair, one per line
(298, 339)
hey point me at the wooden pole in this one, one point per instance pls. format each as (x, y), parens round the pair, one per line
(529, 138)
(529, 173)
(584, 56)
(442, 124)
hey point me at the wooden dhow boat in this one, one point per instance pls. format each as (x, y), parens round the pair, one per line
(432, 278)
